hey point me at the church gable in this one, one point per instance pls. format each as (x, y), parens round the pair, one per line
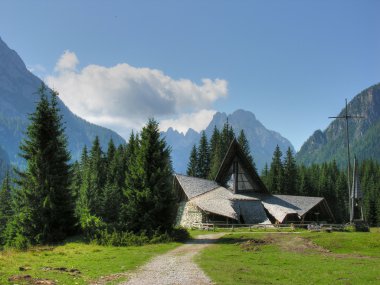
(237, 173)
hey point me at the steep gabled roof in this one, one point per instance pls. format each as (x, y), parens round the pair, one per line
(235, 151)
(279, 206)
(193, 186)
(217, 202)
(223, 202)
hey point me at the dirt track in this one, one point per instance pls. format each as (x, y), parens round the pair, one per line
(176, 266)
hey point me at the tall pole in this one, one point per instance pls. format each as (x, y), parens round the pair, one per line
(350, 203)
(350, 199)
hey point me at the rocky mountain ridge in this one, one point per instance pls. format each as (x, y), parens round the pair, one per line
(262, 141)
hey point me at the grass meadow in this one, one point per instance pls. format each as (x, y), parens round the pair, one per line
(294, 258)
(239, 257)
(75, 263)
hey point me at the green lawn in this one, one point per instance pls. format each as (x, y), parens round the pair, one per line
(92, 261)
(294, 258)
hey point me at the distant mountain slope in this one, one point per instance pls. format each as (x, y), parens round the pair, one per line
(262, 141)
(364, 133)
(18, 96)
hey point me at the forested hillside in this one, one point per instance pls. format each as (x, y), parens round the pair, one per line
(364, 133)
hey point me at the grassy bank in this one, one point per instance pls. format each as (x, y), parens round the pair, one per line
(75, 262)
(294, 258)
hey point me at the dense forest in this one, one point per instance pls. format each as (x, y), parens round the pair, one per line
(285, 176)
(121, 196)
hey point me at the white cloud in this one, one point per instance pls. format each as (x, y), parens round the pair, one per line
(67, 62)
(197, 121)
(37, 68)
(122, 97)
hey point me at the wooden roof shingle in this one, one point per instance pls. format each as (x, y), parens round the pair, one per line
(194, 186)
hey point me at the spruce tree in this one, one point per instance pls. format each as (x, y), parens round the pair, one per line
(193, 160)
(275, 177)
(44, 202)
(112, 196)
(97, 177)
(226, 137)
(203, 163)
(6, 211)
(215, 153)
(149, 198)
(290, 178)
(264, 175)
(242, 140)
(214, 141)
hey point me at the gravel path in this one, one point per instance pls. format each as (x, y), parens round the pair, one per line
(176, 266)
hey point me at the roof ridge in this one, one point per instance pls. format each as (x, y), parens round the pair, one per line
(208, 191)
(200, 178)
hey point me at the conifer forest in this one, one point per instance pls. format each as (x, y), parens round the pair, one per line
(123, 194)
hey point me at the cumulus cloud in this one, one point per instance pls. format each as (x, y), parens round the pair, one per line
(198, 121)
(123, 97)
(67, 62)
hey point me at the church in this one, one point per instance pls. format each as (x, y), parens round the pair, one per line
(238, 196)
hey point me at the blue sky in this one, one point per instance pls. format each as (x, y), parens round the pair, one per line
(292, 63)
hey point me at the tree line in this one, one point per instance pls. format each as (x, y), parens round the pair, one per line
(206, 158)
(123, 193)
(328, 180)
(284, 176)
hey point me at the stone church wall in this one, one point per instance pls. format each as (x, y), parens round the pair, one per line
(188, 213)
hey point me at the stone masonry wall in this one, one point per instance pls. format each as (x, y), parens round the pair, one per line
(187, 214)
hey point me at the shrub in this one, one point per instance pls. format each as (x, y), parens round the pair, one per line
(180, 234)
(92, 226)
(19, 242)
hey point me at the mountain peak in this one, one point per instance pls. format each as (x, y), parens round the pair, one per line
(244, 114)
(261, 140)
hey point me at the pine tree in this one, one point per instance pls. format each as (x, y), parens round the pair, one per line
(341, 206)
(264, 175)
(97, 177)
(215, 153)
(275, 177)
(131, 150)
(112, 192)
(219, 144)
(290, 178)
(192, 165)
(149, 197)
(227, 136)
(44, 202)
(242, 140)
(203, 162)
(6, 211)
(215, 140)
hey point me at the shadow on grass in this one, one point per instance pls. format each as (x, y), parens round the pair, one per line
(223, 240)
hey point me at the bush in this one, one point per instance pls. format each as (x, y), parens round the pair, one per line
(180, 234)
(19, 242)
(117, 238)
(92, 226)
(121, 239)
